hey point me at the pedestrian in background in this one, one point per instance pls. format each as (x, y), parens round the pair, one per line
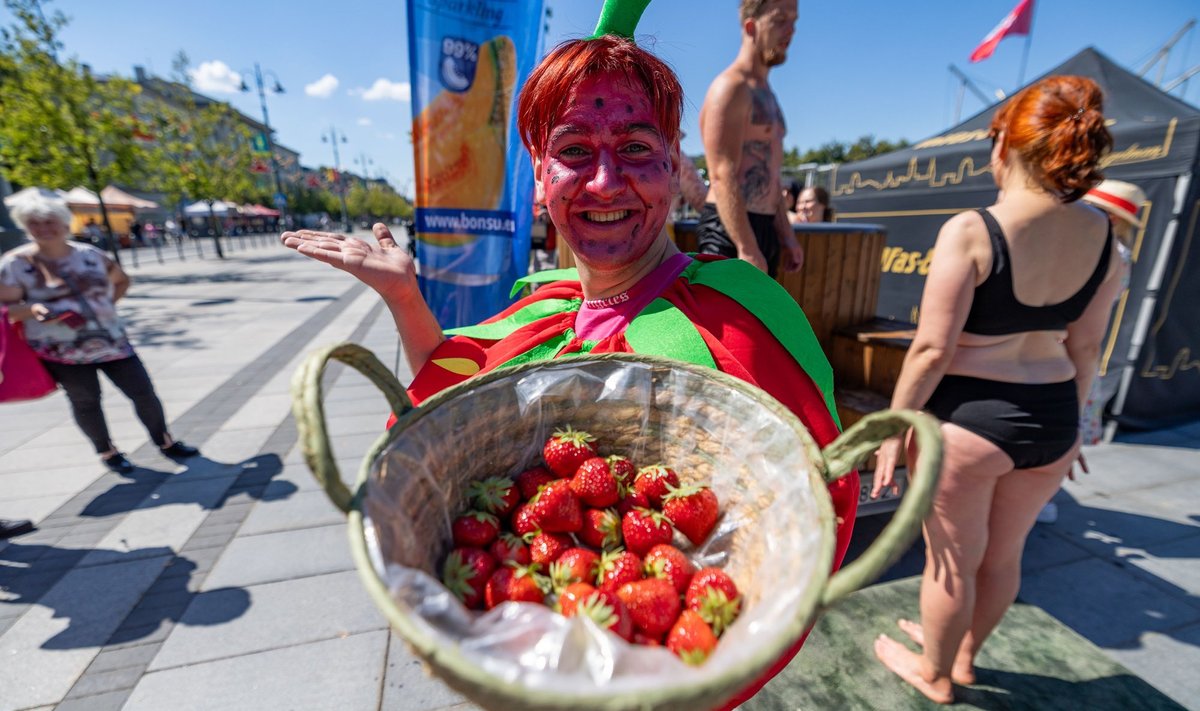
(67, 301)
(1012, 316)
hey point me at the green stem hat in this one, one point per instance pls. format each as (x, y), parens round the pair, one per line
(619, 17)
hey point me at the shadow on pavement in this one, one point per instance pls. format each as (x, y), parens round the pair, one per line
(141, 491)
(92, 599)
(1081, 570)
(1004, 691)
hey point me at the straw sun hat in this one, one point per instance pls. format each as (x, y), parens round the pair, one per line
(1117, 198)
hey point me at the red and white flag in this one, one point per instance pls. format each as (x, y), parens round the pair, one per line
(1016, 22)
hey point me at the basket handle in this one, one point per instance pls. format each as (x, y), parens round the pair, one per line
(308, 408)
(853, 447)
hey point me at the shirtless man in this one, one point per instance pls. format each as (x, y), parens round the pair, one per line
(743, 129)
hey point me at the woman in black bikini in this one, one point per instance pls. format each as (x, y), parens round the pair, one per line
(1013, 313)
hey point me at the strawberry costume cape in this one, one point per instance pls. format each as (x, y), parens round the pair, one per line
(719, 313)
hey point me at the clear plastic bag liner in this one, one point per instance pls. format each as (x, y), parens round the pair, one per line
(768, 538)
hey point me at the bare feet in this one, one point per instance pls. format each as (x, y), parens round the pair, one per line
(909, 667)
(963, 671)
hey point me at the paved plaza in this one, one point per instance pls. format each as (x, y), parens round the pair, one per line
(226, 582)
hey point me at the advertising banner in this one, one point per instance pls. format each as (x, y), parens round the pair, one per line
(468, 59)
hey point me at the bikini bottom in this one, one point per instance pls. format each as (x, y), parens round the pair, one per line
(1033, 424)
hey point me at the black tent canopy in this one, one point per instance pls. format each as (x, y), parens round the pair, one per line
(1152, 345)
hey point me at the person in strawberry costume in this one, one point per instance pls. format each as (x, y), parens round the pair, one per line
(600, 117)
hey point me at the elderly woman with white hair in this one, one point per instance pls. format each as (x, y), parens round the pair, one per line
(65, 292)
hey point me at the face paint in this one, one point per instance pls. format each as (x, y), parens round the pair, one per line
(609, 177)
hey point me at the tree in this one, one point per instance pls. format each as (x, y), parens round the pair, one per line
(60, 125)
(838, 152)
(204, 153)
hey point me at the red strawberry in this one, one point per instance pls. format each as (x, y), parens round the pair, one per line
(567, 449)
(622, 468)
(646, 640)
(516, 584)
(466, 574)
(601, 529)
(595, 484)
(523, 521)
(508, 547)
(643, 529)
(653, 604)
(530, 480)
(631, 499)
(607, 611)
(694, 511)
(556, 509)
(713, 594)
(668, 562)
(570, 597)
(652, 482)
(545, 548)
(575, 565)
(497, 495)
(619, 567)
(475, 528)
(691, 638)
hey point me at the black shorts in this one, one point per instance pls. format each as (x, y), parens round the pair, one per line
(1033, 424)
(712, 238)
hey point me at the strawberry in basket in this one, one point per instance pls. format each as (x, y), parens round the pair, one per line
(567, 449)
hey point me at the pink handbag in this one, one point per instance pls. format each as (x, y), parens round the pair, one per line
(22, 375)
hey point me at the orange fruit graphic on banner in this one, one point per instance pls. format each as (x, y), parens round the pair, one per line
(461, 140)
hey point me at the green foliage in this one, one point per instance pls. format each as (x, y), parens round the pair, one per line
(60, 125)
(838, 152)
(375, 201)
(201, 152)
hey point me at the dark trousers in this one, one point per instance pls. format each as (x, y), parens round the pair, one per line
(82, 385)
(713, 238)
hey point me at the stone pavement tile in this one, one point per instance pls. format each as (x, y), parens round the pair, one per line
(34, 509)
(340, 674)
(60, 455)
(280, 614)
(45, 481)
(111, 701)
(1111, 527)
(230, 445)
(169, 517)
(1169, 661)
(112, 659)
(103, 682)
(263, 411)
(1114, 609)
(285, 555)
(47, 649)
(1116, 468)
(407, 686)
(1177, 564)
(303, 509)
(1177, 502)
(1046, 548)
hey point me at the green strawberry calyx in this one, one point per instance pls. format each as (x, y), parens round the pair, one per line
(573, 436)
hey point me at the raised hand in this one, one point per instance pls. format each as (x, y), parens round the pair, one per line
(383, 265)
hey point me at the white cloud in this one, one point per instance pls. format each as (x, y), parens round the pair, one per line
(389, 136)
(385, 89)
(364, 121)
(216, 77)
(322, 88)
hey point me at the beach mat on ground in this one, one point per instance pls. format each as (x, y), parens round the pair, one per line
(1032, 662)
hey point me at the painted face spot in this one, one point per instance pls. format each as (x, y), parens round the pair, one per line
(599, 103)
(628, 109)
(555, 179)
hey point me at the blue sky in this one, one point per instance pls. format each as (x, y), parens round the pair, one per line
(855, 67)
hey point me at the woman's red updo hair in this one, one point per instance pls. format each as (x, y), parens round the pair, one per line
(543, 100)
(1056, 127)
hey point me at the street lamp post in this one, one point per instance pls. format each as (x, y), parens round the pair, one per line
(365, 163)
(332, 138)
(280, 198)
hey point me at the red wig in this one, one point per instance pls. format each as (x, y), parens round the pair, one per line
(544, 97)
(1056, 127)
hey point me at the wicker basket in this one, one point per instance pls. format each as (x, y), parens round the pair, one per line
(776, 534)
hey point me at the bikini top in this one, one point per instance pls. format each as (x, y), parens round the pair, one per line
(995, 310)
